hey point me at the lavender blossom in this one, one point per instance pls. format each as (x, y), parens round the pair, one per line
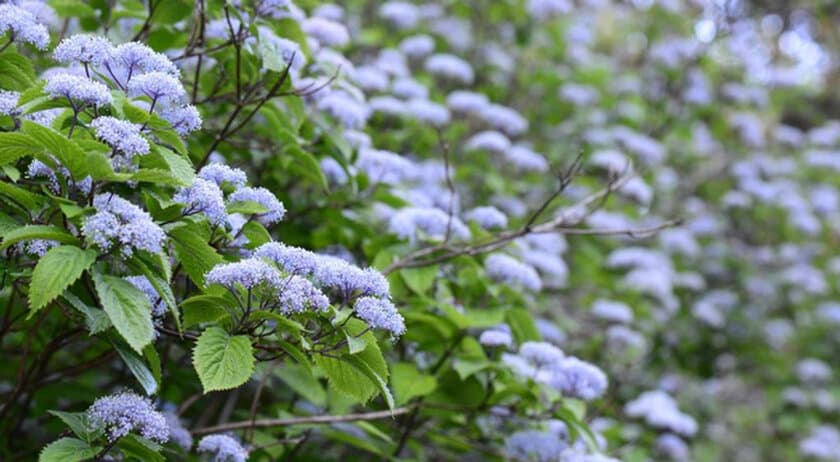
(160, 87)
(467, 102)
(504, 268)
(183, 119)
(222, 448)
(79, 90)
(178, 434)
(23, 26)
(488, 217)
(274, 208)
(119, 223)
(417, 46)
(142, 283)
(429, 112)
(85, 49)
(9, 102)
(250, 273)
(127, 412)
(450, 67)
(123, 136)
(329, 33)
(380, 314)
(413, 223)
(298, 295)
(205, 197)
(223, 175)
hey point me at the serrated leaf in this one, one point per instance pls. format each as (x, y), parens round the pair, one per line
(64, 149)
(409, 383)
(59, 268)
(138, 367)
(14, 145)
(96, 320)
(203, 309)
(68, 450)
(522, 324)
(128, 309)
(221, 361)
(33, 232)
(79, 424)
(195, 254)
(419, 280)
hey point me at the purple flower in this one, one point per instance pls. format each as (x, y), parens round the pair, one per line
(412, 223)
(23, 26)
(9, 102)
(488, 217)
(182, 119)
(293, 260)
(274, 208)
(205, 197)
(131, 59)
(178, 434)
(123, 136)
(84, 49)
(504, 268)
(380, 313)
(329, 33)
(223, 175)
(142, 283)
(77, 89)
(450, 67)
(250, 273)
(158, 86)
(223, 448)
(297, 295)
(120, 223)
(127, 412)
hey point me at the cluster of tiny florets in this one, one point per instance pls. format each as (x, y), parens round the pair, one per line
(124, 413)
(222, 448)
(205, 197)
(119, 223)
(274, 208)
(79, 90)
(380, 313)
(123, 136)
(23, 26)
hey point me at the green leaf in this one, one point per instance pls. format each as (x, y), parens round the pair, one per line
(68, 450)
(346, 373)
(21, 197)
(307, 165)
(221, 361)
(64, 149)
(138, 368)
(79, 424)
(523, 326)
(32, 232)
(59, 268)
(15, 145)
(409, 383)
(419, 280)
(137, 448)
(301, 380)
(203, 309)
(246, 208)
(161, 286)
(128, 309)
(195, 254)
(96, 320)
(15, 72)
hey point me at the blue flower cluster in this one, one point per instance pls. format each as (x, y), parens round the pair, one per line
(119, 223)
(126, 412)
(548, 365)
(222, 448)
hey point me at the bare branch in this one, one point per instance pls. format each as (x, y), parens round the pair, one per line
(315, 419)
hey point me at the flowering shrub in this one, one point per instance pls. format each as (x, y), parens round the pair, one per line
(538, 230)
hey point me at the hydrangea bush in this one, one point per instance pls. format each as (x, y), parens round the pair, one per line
(534, 230)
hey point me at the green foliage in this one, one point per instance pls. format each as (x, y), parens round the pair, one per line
(59, 268)
(222, 361)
